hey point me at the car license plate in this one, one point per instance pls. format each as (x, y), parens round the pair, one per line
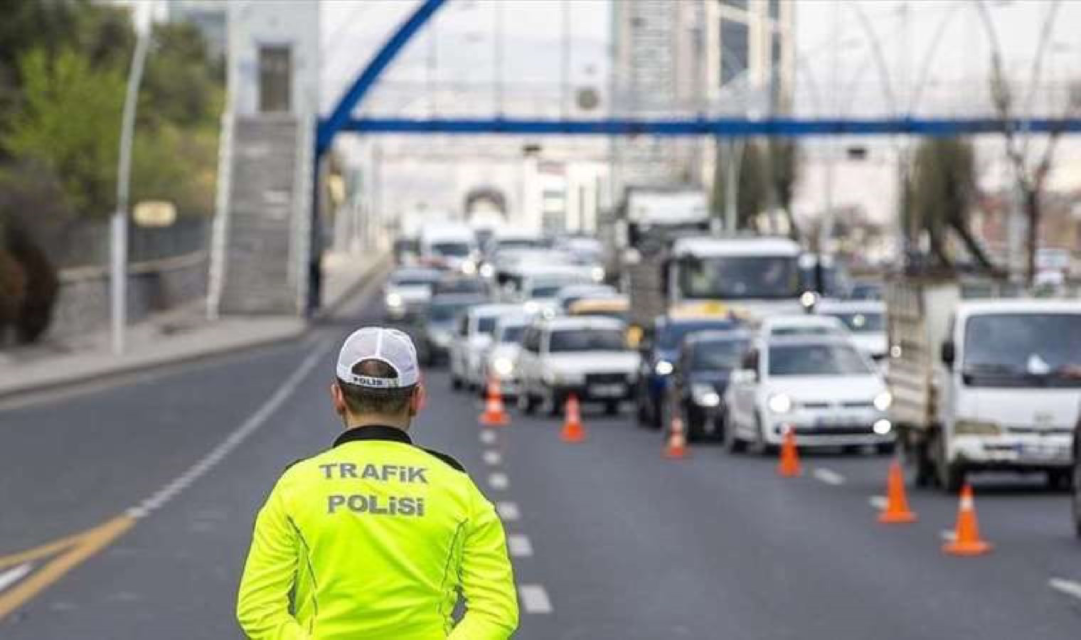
(1043, 452)
(831, 421)
(607, 390)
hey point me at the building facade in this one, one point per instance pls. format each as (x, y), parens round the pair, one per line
(690, 58)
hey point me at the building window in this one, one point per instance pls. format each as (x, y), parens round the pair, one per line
(735, 49)
(275, 79)
(738, 4)
(775, 9)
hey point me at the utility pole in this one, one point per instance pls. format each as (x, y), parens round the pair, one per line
(118, 263)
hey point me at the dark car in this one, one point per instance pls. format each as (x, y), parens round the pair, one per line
(438, 325)
(705, 363)
(659, 348)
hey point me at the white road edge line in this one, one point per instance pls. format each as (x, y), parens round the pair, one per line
(828, 476)
(492, 458)
(534, 598)
(519, 545)
(947, 535)
(1068, 587)
(498, 481)
(234, 439)
(13, 575)
(488, 437)
(508, 511)
(878, 502)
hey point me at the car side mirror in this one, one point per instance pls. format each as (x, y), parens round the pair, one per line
(948, 354)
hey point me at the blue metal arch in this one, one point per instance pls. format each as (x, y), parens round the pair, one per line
(332, 124)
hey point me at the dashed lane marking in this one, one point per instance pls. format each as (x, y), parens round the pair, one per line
(828, 476)
(1068, 587)
(534, 598)
(492, 458)
(519, 545)
(508, 511)
(878, 502)
(73, 550)
(498, 481)
(11, 576)
(488, 437)
(948, 535)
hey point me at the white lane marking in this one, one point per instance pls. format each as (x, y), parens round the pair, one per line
(534, 598)
(1069, 587)
(947, 535)
(878, 502)
(828, 476)
(498, 481)
(488, 437)
(519, 545)
(11, 576)
(234, 439)
(492, 458)
(508, 511)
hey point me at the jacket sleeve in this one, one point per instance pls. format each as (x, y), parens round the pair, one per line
(491, 600)
(263, 603)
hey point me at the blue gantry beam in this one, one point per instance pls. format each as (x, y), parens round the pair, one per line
(720, 127)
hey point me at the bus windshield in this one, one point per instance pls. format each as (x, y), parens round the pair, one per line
(739, 277)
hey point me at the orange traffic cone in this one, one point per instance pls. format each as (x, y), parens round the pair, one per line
(495, 414)
(572, 431)
(676, 449)
(896, 511)
(967, 540)
(789, 465)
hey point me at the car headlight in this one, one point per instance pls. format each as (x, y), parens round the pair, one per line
(882, 427)
(598, 274)
(779, 403)
(394, 300)
(704, 395)
(976, 428)
(663, 368)
(503, 366)
(469, 267)
(487, 271)
(883, 401)
(532, 306)
(441, 338)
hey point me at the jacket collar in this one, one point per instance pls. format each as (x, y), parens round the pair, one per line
(373, 432)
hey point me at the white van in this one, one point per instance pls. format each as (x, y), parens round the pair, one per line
(449, 245)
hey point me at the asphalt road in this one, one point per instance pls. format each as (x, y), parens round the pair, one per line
(610, 540)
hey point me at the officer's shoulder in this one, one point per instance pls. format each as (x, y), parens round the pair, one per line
(447, 459)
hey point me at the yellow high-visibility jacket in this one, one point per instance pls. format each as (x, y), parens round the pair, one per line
(373, 539)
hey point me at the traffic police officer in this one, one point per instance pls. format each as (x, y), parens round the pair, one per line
(375, 537)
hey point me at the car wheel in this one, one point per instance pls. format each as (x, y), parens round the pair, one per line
(611, 408)
(1059, 478)
(949, 476)
(526, 402)
(884, 448)
(656, 416)
(455, 381)
(640, 412)
(554, 404)
(732, 442)
(763, 446)
(918, 467)
(1077, 495)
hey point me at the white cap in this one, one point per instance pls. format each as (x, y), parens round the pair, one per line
(389, 346)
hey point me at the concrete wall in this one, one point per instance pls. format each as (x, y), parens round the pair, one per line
(83, 303)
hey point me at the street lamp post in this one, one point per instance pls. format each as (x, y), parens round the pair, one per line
(118, 277)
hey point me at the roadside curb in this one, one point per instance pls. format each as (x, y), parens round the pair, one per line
(122, 368)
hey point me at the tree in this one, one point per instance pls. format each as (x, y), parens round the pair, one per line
(70, 124)
(752, 184)
(942, 192)
(783, 158)
(1030, 170)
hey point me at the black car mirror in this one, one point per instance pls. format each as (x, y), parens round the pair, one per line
(948, 354)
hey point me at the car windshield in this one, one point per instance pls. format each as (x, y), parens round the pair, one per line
(452, 249)
(446, 311)
(834, 280)
(1020, 350)
(672, 334)
(816, 360)
(862, 321)
(545, 290)
(486, 325)
(413, 279)
(586, 340)
(461, 285)
(512, 333)
(717, 354)
(739, 277)
(866, 291)
(804, 330)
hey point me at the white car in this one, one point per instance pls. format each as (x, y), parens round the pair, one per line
(407, 291)
(473, 336)
(865, 319)
(572, 293)
(501, 358)
(821, 387)
(584, 356)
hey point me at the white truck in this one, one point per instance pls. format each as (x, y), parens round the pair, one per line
(981, 384)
